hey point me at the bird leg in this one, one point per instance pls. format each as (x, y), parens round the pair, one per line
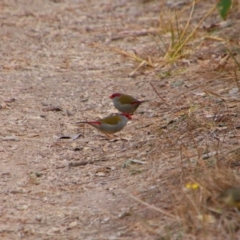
(109, 136)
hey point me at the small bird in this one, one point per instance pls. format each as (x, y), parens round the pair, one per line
(110, 124)
(231, 197)
(125, 103)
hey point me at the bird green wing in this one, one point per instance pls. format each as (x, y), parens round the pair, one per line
(126, 99)
(112, 120)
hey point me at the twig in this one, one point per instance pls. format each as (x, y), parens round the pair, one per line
(82, 163)
(151, 206)
(232, 55)
(158, 93)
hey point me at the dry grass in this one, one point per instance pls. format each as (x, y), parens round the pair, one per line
(199, 140)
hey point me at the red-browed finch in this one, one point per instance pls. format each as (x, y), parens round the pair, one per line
(110, 124)
(125, 103)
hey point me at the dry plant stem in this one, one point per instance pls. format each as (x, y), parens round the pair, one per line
(96, 181)
(159, 45)
(178, 31)
(201, 85)
(143, 225)
(187, 25)
(181, 157)
(185, 151)
(193, 204)
(218, 145)
(196, 146)
(139, 66)
(228, 113)
(136, 33)
(225, 153)
(131, 56)
(194, 30)
(218, 96)
(215, 38)
(158, 94)
(209, 92)
(124, 53)
(236, 80)
(82, 163)
(151, 206)
(231, 54)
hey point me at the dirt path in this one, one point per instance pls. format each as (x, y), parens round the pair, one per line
(52, 56)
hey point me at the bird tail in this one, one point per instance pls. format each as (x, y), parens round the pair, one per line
(79, 123)
(89, 123)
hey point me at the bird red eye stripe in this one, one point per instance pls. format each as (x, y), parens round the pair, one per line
(115, 95)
